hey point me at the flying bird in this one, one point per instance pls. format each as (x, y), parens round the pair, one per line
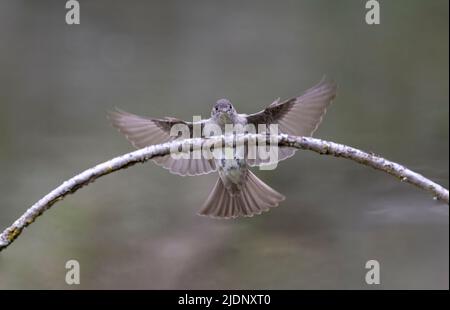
(237, 192)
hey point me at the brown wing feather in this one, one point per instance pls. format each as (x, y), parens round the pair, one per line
(142, 132)
(301, 115)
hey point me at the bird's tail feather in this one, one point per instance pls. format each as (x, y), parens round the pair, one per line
(254, 198)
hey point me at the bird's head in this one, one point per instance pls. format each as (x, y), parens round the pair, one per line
(223, 109)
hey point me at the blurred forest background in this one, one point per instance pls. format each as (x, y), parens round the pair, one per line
(138, 228)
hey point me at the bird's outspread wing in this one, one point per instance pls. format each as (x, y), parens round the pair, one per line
(142, 132)
(298, 116)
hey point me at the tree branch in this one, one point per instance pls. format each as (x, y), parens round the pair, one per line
(306, 143)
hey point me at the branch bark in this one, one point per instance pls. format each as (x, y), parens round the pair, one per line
(306, 143)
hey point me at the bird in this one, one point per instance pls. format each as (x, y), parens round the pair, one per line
(238, 192)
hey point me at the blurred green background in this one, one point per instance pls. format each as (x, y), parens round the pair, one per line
(138, 228)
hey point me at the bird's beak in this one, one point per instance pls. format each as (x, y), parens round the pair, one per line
(223, 115)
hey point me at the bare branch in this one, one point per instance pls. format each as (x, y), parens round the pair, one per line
(306, 143)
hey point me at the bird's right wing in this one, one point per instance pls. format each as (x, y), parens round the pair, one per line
(142, 132)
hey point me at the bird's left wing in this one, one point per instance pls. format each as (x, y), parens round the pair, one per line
(298, 116)
(142, 132)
